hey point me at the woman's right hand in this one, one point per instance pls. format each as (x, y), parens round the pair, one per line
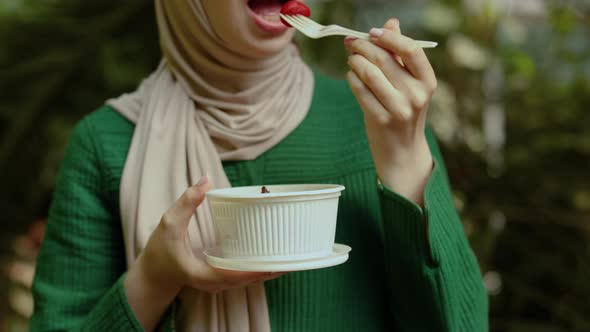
(168, 263)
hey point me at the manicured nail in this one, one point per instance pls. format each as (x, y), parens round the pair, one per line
(203, 181)
(348, 40)
(376, 32)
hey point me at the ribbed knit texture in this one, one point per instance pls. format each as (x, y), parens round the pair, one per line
(409, 270)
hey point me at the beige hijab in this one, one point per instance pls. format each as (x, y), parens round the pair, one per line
(186, 124)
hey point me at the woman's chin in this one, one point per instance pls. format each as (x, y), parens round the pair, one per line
(272, 36)
(265, 46)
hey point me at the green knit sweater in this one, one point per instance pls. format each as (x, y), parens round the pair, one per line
(409, 269)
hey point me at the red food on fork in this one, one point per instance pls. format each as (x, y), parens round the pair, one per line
(295, 7)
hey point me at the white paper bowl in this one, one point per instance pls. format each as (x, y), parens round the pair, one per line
(293, 222)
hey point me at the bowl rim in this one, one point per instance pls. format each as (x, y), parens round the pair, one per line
(228, 193)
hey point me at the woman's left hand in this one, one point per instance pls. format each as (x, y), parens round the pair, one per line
(393, 81)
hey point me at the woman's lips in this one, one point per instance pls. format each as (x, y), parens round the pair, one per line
(265, 14)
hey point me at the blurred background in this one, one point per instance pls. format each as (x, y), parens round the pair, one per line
(511, 113)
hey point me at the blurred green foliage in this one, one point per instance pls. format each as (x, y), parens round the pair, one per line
(59, 60)
(511, 113)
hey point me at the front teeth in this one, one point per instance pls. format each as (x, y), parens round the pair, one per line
(272, 18)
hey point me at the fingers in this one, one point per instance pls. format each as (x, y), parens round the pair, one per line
(253, 278)
(367, 100)
(205, 273)
(241, 278)
(215, 280)
(180, 214)
(374, 91)
(395, 59)
(412, 55)
(273, 275)
(396, 74)
(394, 25)
(238, 277)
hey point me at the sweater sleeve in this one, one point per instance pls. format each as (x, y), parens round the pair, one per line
(434, 276)
(78, 282)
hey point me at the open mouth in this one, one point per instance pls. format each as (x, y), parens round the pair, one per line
(265, 14)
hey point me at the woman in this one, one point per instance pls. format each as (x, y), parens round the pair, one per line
(232, 99)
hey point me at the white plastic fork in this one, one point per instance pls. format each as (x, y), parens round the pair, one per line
(314, 30)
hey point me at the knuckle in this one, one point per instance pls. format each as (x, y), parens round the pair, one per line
(167, 220)
(355, 44)
(419, 99)
(371, 77)
(355, 59)
(411, 50)
(382, 59)
(383, 120)
(350, 77)
(432, 85)
(404, 110)
(355, 83)
(190, 195)
(404, 113)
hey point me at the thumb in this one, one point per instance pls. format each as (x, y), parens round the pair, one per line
(393, 25)
(184, 207)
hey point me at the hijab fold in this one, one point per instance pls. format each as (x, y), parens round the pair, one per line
(204, 104)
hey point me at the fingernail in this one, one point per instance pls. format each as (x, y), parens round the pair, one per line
(202, 181)
(376, 32)
(348, 40)
(396, 22)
